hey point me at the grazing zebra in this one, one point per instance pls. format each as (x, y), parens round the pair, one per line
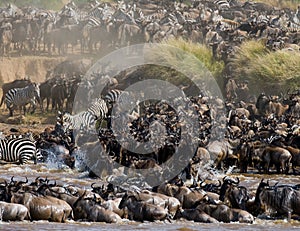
(19, 150)
(21, 97)
(80, 121)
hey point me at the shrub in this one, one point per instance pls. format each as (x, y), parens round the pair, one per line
(267, 69)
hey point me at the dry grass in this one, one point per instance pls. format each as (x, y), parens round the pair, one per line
(265, 68)
(193, 55)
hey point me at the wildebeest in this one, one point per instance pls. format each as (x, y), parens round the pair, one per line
(140, 211)
(223, 213)
(187, 197)
(236, 196)
(196, 215)
(88, 208)
(282, 199)
(295, 157)
(5, 39)
(278, 156)
(44, 207)
(13, 212)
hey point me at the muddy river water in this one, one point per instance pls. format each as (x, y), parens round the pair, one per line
(78, 178)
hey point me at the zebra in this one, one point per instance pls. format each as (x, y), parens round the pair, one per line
(80, 121)
(125, 101)
(21, 97)
(98, 108)
(123, 98)
(119, 96)
(19, 150)
(292, 27)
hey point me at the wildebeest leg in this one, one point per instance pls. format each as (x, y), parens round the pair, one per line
(11, 111)
(278, 168)
(24, 109)
(33, 105)
(48, 103)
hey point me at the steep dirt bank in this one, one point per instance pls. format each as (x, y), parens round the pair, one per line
(32, 66)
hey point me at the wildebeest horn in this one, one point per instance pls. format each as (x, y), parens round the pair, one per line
(237, 181)
(5, 183)
(276, 184)
(93, 187)
(52, 185)
(201, 184)
(12, 179)
(219, 183)
(225, 178)
(23, 182)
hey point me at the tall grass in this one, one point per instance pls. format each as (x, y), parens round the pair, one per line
(192, 60)
(199, 51)
(266, 69)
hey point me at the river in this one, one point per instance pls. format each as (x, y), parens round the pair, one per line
(74, 177)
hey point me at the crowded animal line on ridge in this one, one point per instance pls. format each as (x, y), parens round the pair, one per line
(96, 26)
(261, 134)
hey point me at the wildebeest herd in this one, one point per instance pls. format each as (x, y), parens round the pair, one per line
(226, 201)
(260, 137)
(260, 134)
(221, 24)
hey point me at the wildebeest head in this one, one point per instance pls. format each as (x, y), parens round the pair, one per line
(227, 183)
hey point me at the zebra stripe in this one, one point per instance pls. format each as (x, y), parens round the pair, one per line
(293, 27)
(93, 21)
(119, 96)
(82, 120)
(19, 150)
(263, 19)
(21, 97)
(222, 4)
(123, 98)
(230, 24)
(96, 12)
(98, 108)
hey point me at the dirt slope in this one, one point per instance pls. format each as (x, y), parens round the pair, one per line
(33, 66)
